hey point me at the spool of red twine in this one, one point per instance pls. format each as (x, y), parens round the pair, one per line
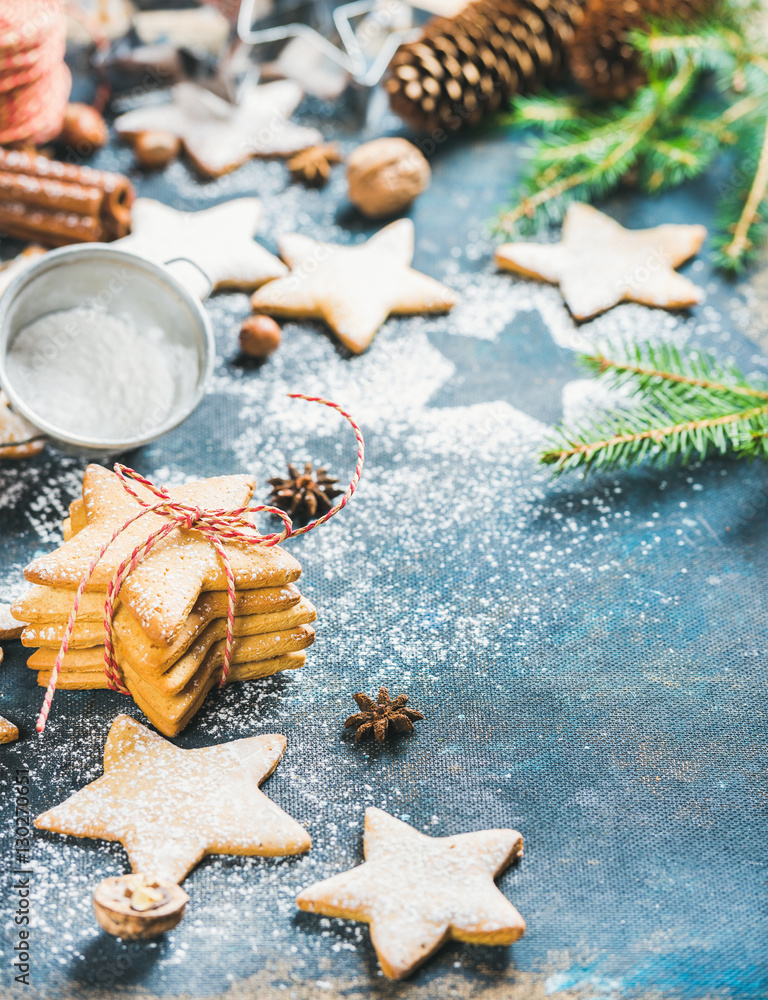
(34, 79)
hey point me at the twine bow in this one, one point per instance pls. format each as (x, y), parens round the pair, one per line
(218, 526)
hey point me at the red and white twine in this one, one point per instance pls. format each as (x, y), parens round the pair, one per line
(34, 80)
(218, 526)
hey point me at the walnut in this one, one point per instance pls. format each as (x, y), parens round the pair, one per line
(136, 906)
(147, 897)
(385, 176)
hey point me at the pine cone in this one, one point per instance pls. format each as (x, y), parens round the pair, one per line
(465, 67)
(601, 57)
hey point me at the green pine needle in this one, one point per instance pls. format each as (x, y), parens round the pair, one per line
(680, 408)
(706, 96)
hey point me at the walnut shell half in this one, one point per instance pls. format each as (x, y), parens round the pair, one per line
(136, 906)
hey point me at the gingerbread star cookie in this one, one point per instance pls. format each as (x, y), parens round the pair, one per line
(171, 807)
(218, 136)
(218, 240)
(599, 263)
(18, 438)
(165, 585)
(8, 732)
(416, 892)
(10, 627)
(353, 288)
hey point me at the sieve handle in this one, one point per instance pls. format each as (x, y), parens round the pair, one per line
(188, 260)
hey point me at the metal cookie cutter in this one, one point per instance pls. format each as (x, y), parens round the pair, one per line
(350, 56)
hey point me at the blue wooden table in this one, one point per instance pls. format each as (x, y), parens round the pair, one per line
(590, 656)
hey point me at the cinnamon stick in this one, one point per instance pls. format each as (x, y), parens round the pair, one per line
(61, 202)
(51, 194)
(53, 228)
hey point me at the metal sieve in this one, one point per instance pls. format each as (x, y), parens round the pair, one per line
(105, 277)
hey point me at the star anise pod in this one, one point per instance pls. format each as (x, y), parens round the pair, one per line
(377, 716)
(306, 493)
(312, 166)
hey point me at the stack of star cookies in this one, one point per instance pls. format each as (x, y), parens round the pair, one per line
(170, 620)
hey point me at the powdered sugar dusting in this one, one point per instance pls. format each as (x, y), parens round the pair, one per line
(453, 555)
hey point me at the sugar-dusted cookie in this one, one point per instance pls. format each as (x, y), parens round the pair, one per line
(263, 630)
(93, 678)
(170, 807)
(218, 136)
(165, 585)
(76, 520)
(78, 515)
(172, 713)
(43, 605)
(10, 628)
(148, 656)
(153, 657)
(599, 263)
(270, 613)
(91, 659)
(218, 240)
(170, 700)
(74, 679)
(416, 892)
(84, 635)
(8, 732)
(353, 288)
(202, 659)
(18, 438)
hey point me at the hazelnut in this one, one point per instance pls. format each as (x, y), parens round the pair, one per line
(156, 149)
(385, 176)
(137, 906)
(84, 129)
(259, 336)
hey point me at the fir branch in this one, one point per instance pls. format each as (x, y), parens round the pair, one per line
(671, 130)
(713, 47)
(543, 110)
(720, 127)
(672, 441)
(744, 233)
(603, 150)
(664, 362)
(684, 407)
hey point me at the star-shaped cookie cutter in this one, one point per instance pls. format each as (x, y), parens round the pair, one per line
(350, 56)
